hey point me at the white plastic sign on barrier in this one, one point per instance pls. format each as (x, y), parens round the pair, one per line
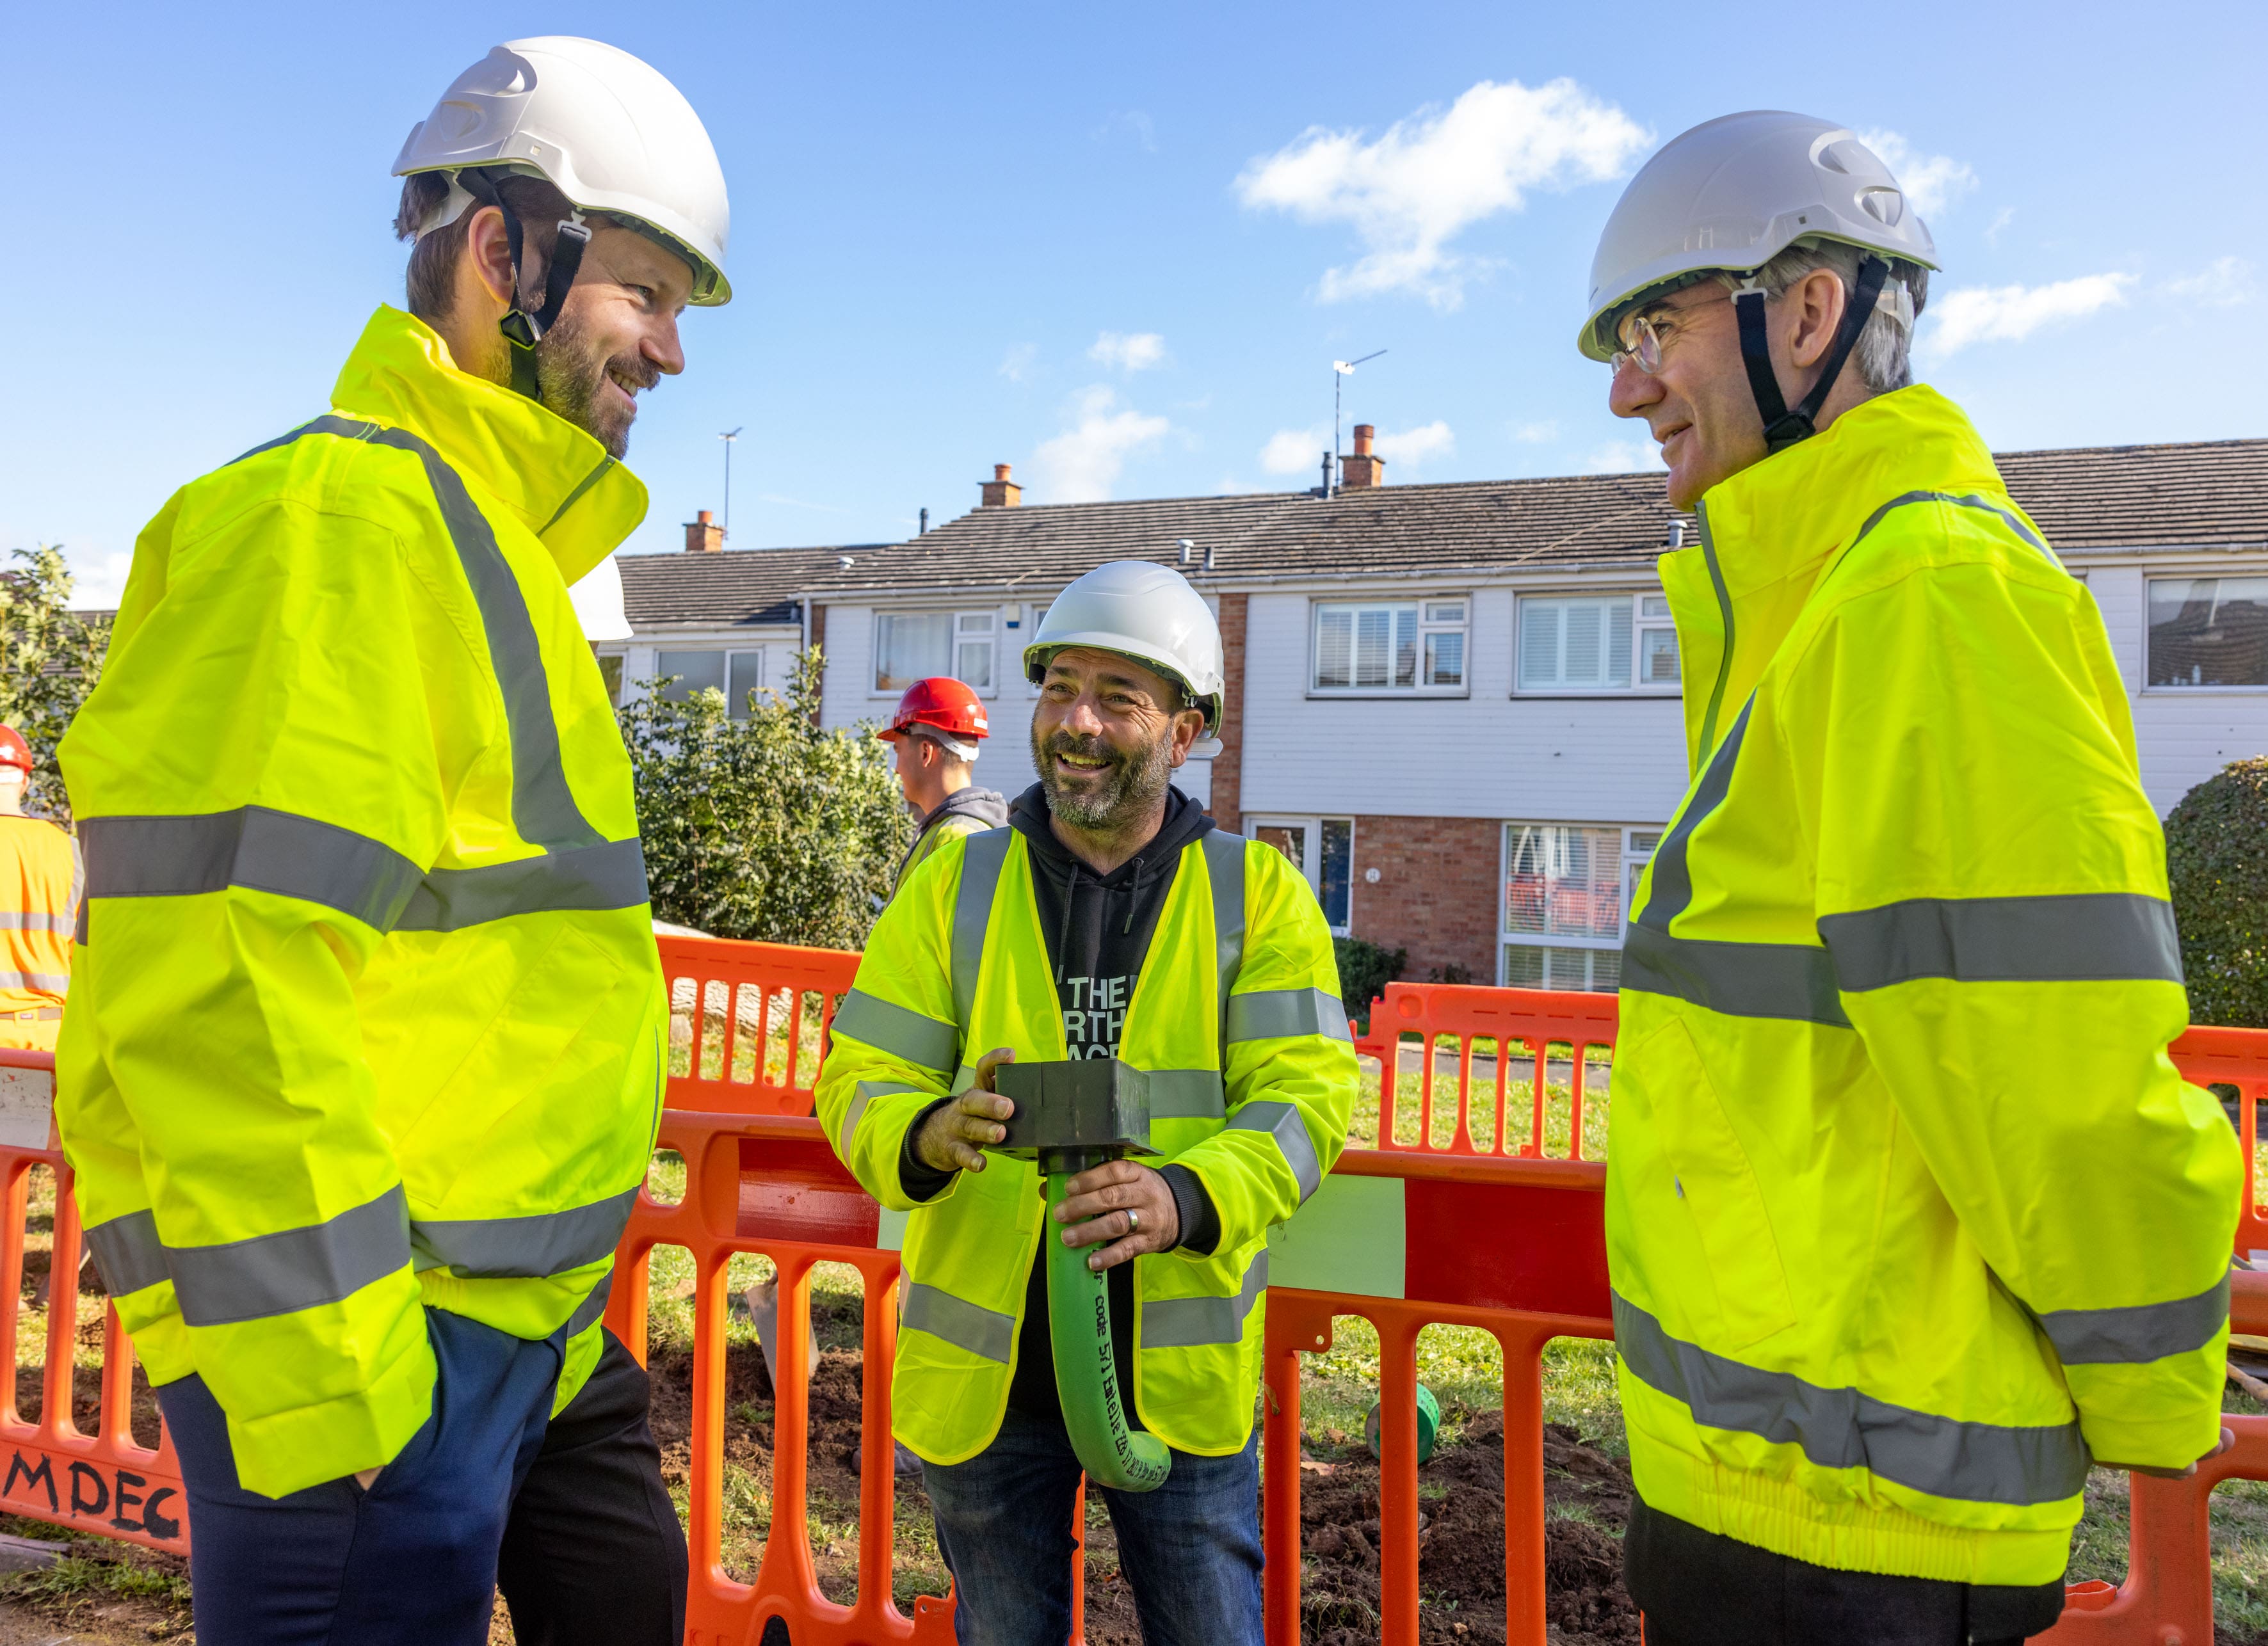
(27, 1107)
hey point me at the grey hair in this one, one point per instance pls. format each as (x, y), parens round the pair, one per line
(1881, 357)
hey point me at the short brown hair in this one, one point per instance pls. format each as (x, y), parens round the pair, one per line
(431, 281)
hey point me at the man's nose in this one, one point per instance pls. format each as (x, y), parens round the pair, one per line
(1632, 391)
(1084, 719)
(660, 345)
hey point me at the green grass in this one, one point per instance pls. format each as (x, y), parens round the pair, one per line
(1518, 1119)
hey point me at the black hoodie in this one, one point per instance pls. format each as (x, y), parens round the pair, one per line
(1098, 930)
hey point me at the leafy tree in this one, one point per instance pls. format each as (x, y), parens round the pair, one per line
(50, 657)
(1364, 970)
(767, 827)
(2217, 859)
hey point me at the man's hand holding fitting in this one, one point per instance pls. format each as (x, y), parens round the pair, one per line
(953, 1138)
(1129, 1206)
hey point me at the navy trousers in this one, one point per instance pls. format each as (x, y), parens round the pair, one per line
(411, 1562)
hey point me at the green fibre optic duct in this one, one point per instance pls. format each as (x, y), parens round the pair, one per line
(1086, 1370)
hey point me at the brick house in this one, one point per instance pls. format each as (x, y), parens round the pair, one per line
(1455, 705)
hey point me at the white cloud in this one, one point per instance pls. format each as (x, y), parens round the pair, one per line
(1129, 351)
(1428, 178)
(1932, 182)
(1536, 433)
(1414, 448)
(2001, 219)
(1296, 451)
(1621, 456)
(1081, 464)
(1016, 364)
(98, 581)
(2009, 314)
(2223, 283)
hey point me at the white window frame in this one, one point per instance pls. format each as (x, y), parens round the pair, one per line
(1311, 856)
(2191, 574)
(1640, 841)
(1637, 595)
(1421, 605)
(955, 637)
(735, 709)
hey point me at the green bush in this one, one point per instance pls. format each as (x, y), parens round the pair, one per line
(2217, 859)
(50, 657)
(1364, 970)
(768, 827)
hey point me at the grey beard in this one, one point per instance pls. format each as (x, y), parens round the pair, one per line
(1136, 783)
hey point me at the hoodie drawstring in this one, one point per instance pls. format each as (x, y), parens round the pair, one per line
(1062, 937)
(1133, 897)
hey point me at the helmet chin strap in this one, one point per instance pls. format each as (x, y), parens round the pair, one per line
(522, 330)
(1785, 425)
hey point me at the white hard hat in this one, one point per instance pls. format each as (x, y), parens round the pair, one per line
(1141, 610)
(604, 128)
(1735, 193)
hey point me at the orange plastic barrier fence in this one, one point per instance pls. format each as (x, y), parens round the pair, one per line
(99, 1482)
(749, 1020)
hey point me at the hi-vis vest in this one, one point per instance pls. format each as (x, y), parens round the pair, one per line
(1908, 1212)
(1241, 964)
(38, 906)
(369, 1014)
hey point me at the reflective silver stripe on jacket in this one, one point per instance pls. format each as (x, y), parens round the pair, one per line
(892, 1028)
(981, 863)
(45, 982)
(1846, 1429)
(18, 920)
(522, 1248)
(868, 1090)
(981, 1332)
(1224, 856)
(291, 1269)
(593, 1308)
(1284, 1123)
(263, 849)
(1741, 979)
(2139, 1333)
(1187, 1094)
(2075, 937)
(1197, 1322)
(1278, 1014)
(128, 1253)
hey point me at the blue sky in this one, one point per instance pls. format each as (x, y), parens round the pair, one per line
(1115, 247)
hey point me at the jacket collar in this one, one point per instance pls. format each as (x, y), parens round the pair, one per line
(1770, 531)
(556, 479)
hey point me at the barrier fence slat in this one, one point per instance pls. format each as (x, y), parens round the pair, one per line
(762, 1179)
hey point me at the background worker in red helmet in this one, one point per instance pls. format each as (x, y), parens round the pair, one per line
(40, 878)
(938, 726)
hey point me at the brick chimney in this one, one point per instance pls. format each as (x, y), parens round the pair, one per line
(999, 492)
(702, 534)
(1362, 467)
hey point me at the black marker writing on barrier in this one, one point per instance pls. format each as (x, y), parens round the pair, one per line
(43, 1475)
(93, 1495)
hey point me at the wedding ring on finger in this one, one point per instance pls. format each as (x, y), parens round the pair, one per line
(1133, 1220)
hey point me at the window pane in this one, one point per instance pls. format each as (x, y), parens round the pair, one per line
(1337, 869)
(1659, 655)
(1563, 881)
(1293, 843)
(911, 646)
(1654, 606)
(1373, 646)
(1644, 840)
(1445, 660)
(1539, 643)
(610, 671)
(2209, 631)
(1586, 649)
(972, 664)
(1334, 647)
(975, 623)
(1617, 620)
(1405, 646)
(747, 673)
(1523, 966)
(696, 671)
(1445, 611)
(1606, 970)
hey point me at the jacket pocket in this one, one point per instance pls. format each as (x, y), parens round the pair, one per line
(1718, 1185)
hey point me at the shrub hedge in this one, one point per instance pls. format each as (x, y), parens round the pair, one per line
(2217, 859)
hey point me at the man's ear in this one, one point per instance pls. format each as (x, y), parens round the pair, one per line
(1814, 306)
(488, 254)
(1189, 726)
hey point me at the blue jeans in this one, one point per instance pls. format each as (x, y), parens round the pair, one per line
(411, 1562)
(1190, 1550)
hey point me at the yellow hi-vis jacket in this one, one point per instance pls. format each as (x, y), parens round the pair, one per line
(40, 876)
(1908, 1210)
(1237, 1018)
(369, 1014)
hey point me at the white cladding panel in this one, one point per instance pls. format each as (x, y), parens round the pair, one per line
(2184, 737)
(1489, 754)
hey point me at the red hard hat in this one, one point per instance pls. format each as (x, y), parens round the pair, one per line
(14, 751)
(941, 701)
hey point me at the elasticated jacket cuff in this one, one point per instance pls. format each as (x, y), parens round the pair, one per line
(920, 1182)
(1200, 1223)
(288, 1451)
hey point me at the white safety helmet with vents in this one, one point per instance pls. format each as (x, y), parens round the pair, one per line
(1733, 193)
(1146, 612)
